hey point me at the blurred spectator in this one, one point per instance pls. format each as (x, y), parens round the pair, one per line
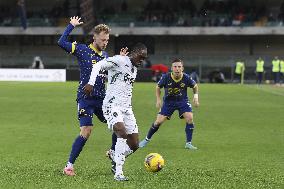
(194, 76)
(37, 63)
(147, 63)
(216, 76)
(158, 70)
(124, 6)
(22, 13)
(239, 18)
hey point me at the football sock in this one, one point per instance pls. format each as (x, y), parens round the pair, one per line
(189, 130)
(152, 131)
(77, 147)
(128, 151)
(119, 156)
(113, 138)
(69, 165)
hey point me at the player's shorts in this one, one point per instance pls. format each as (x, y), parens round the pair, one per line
(168, 108)
(115, 114)
(86, 109)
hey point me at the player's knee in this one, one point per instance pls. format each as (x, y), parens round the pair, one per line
(189, 120)
(120, 131)
(157, 124)
(86, 131)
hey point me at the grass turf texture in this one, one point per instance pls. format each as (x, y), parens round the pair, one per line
(239, 133)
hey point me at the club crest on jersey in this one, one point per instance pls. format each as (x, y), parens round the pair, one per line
(128, 79)
(182, 85)
(94, 61)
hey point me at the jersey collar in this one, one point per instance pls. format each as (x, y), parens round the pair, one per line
(176, 80)
(96, 50)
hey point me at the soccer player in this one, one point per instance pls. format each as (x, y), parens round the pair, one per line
(87, 55)
(117, 106)
(175, 98)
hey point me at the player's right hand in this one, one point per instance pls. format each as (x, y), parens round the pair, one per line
(158, 104)
(75, 21)
(124, 51)
(196, 102)
(88, 89)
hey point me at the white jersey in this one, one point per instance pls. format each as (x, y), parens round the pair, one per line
(121, 76)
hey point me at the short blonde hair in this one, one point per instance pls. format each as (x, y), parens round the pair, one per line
(101, 28)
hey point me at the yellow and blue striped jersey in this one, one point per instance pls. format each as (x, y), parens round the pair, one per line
(87, 55)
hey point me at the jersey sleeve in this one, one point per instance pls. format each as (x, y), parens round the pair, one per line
(63, 40)
(162, 81)
(190, 82)
(105, 64)
(116, 61)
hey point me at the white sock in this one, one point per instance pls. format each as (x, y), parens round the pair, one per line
(128, 151)
(111, 154)
(69, 165)
(119, 156)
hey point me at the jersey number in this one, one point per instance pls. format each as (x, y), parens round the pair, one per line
(173, 91)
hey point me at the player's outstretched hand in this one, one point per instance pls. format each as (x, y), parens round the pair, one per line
(124, 51)
(75, 21)
(88, 89)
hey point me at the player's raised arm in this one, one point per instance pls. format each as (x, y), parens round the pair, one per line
(195, 95)
(63, 40)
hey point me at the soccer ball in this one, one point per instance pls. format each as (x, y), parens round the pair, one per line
(154, 162)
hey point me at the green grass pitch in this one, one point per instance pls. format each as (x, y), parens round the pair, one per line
(239, 133)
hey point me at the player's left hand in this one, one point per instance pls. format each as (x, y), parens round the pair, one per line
(88, 89)
(75, 21)
(195, 102)
(124, 51)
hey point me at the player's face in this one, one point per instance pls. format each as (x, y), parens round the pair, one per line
(139, 57)
(101, 41)
(177, 69)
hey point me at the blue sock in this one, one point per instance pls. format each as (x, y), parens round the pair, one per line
(77, 148)
(188, 131)
(114, 139)
(152, 131)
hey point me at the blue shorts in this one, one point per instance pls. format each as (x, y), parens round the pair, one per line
(168, 108)
(86, 109)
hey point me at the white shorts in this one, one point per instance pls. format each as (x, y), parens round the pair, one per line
(114, 114)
